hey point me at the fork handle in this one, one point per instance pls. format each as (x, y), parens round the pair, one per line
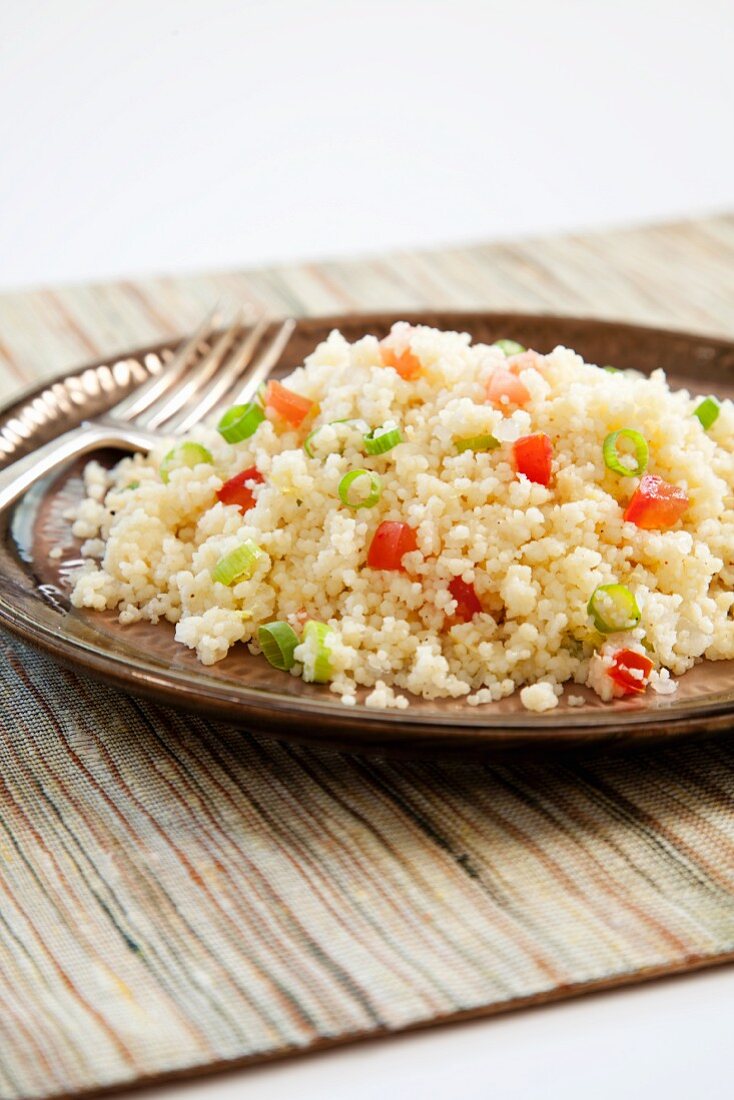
(20, 475)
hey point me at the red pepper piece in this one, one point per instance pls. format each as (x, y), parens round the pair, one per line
(390, 542)
(656, 504)
(405, 363)
(467, 601)
(285, 403)
(533, 455)
(505, 389)
(627, 662)
(235, 491)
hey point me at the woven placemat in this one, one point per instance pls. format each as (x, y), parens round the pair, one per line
(176, 896)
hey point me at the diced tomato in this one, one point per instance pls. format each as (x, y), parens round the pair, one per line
(631, 671)
(656, 504)
(284, 402)
(406, 364)
(505, 389)
(533, 455)
(395, 351)
(516, 364)
(467, 601)
(390, 542)
(236, 491)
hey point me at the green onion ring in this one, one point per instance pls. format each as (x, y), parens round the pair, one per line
(307, 441)
(321, 669)
(611, 456)
(278, 642)
(707, 412)
(183, 454)
(477, 443)
(381, 440)
(240, 422)
(239, 565)
(612, 370)
(307, 444)
(348, 480)
(509, 347)
(613, 607)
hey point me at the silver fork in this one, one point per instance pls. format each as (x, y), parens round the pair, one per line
(190, 387)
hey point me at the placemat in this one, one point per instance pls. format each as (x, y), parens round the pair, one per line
(177, 896)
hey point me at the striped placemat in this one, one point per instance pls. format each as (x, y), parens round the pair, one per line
(177, 896)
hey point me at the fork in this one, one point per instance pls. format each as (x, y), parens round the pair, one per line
(191, 386)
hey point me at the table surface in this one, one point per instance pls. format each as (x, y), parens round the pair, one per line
(667, 1038)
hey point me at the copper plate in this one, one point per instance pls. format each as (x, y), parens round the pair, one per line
(244, 690)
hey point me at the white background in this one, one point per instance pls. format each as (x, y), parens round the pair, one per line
(168, 135)
(145, 136)
(670, 1040)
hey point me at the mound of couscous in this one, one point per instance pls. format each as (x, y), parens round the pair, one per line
(430, 516)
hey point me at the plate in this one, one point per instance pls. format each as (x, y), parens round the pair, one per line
(245, 690)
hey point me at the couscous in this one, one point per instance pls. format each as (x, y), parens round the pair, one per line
(424, 515)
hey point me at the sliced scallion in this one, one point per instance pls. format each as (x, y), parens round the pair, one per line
(240, 422)
(309, 441)
(381, 440)
(484, 442)
(612, 370)
(707, 412)
(133, 485)
(509, 347)
(278, 642)
(613, 607)
(183, 454)
(238, 565)
(352, 499)
(613, 460)
(317, 667)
